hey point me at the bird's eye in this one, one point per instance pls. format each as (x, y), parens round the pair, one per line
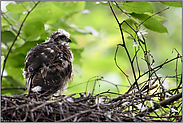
(62, 37)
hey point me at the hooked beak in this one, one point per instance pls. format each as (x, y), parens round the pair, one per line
(69, 40)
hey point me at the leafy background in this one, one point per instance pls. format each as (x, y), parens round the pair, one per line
(94, 34)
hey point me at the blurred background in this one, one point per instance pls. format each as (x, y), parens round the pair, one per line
(95, 35)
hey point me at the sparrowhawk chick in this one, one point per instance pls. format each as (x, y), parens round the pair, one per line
(48, 66)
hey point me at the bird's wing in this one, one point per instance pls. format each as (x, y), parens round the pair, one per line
(36, 57)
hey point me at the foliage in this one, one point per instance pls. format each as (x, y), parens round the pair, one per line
(91, 29)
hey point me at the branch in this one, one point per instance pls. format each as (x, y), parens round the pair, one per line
(4, 64)
(159, 66)
(124, 45)
(153, 15)
(76, 115)
(153, 69)
(161, 104)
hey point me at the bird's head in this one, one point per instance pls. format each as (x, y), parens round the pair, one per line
(60, 36)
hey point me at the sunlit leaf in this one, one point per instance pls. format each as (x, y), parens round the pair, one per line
(150, 23)
(4, 50)
(75, 9)
(172, 3)
(16, 72)
(138, 6)
(17, 8)
(27, 46)
(14, 17)
(157, 17)
(33, 29)
(57, 10)
(46, 14)
(81, 31)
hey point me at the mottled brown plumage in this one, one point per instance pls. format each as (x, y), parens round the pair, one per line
(48, 66)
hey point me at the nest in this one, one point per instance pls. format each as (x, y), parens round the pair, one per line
(85, 107)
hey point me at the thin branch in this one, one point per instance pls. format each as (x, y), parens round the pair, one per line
(121, 9)
(75, 115)
(159, 66)
(153, 15)
(161, 104)
(11, 26)
(124, 45)
(4, 64)
(116, 61)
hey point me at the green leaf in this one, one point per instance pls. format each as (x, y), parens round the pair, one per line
(68, 7)
(51, 12)
(3, 23)
(16, 60)
(33, 29)
(157, 17)
(27, 46)
(75, 8)
(127, 29)
(4, 50)
(81, 31)
(172, 3)
(61, 24)
(46, 12)
(2, 61)
(150, 23)
(17, 8)
(7, 36)
(16, 72)
(14, 17)
(138, 6)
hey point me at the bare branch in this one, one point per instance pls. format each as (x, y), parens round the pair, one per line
(4, 64)
(161, 104)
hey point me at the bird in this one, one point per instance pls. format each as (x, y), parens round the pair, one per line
(48, 66)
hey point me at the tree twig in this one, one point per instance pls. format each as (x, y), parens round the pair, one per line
(4, 64)
(161, 104)
(75, 115)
